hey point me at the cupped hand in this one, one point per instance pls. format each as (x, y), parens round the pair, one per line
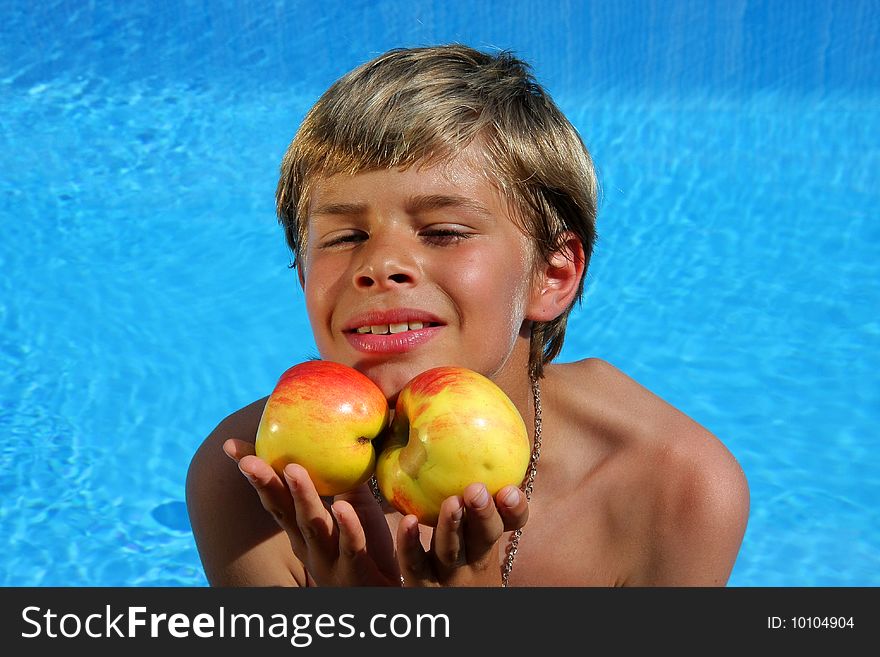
(343, 542)
(466, 542)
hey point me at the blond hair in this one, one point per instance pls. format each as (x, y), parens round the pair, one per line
(425, 105)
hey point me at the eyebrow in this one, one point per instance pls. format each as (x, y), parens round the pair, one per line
(344, 209)
(429, 202)
(415, 204)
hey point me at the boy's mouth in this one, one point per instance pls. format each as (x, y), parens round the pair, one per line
(397, 327)
(391, 331)
(391, 321)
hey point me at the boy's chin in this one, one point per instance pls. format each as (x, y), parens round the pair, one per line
(390, 379)
(391, 389)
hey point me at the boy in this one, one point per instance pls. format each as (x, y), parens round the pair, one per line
(441, 211)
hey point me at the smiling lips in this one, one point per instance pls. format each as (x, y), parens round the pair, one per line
(391, 332)
(384, 329)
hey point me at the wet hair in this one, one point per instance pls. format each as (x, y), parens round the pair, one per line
(425, 106)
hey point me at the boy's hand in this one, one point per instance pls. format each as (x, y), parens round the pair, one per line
(465, 545)
(355, 550)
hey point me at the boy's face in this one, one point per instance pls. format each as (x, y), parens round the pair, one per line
(408, 270)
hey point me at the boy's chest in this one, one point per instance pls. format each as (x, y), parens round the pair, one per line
(567, 545)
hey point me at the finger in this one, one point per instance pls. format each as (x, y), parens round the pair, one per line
(482, 524)
(512, 507)
(380, 545)
(314, 522)
(352, 540)
(238, 449)
(448, 540)
(352, 562)
(415, 569)
(274, 496)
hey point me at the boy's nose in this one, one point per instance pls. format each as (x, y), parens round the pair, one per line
(386, 268)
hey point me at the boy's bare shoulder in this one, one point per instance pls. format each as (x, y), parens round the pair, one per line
(663, 475)
(603, 399)
(239, 543)
(242, 425)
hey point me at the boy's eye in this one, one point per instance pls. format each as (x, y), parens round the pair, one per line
(345, 238)
(444, 236)
(434, 236)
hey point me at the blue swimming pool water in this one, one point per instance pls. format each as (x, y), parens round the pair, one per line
(145, 290)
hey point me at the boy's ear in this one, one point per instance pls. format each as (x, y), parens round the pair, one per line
(558, 280)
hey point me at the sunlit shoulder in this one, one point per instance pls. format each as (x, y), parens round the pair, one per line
(654, 475)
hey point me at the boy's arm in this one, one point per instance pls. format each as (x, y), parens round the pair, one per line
(239, 543)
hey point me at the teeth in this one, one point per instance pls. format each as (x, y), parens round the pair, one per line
(384, 329)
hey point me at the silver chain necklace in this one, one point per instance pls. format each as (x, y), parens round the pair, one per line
(526, 487)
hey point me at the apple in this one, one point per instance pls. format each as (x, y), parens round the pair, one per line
(452, 427)
(323, 416)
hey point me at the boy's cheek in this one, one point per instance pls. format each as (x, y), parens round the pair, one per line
(321, 281)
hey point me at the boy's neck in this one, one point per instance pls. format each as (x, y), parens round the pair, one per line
(513, 378)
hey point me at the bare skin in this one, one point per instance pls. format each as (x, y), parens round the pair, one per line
(646, 496)
(630, 491)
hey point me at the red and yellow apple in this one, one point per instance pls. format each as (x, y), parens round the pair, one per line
(452, 427)
(323, 416)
